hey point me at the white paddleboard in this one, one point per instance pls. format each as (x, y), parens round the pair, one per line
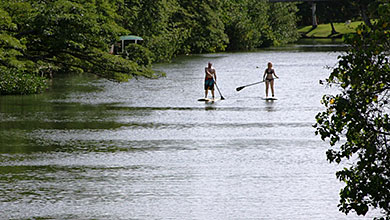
(270, 99)
(209, 100)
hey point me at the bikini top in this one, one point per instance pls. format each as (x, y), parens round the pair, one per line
(269, 71)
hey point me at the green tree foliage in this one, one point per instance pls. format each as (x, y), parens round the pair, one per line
(282, 22)
(172, 27)
(253, 24)
(356, 121)
(245, 23)
(45, 37)
(203, 20)
(368, 9)
(139, 54)
(16, 81)
(14, 75)
(337, 11)
(160, 24)
(76, 35)
(10, 46)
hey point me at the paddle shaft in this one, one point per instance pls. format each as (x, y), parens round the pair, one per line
(242, 87)
(254, 83)
(222, 98)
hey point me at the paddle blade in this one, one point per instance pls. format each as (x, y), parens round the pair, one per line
(239, 88)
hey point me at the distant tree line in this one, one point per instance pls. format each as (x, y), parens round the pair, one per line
(41, 38)
(172, 27)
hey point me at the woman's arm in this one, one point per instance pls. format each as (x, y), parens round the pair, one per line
(275, 75)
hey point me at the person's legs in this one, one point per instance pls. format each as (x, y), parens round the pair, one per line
(206, 88)
(272, 88)
(212, 93)
(266, 88)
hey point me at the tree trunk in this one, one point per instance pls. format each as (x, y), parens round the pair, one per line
(313, 14)
(333, 29)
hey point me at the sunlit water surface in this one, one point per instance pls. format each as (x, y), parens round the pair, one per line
(147, 149)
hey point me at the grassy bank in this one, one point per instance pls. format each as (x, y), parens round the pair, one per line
(325, 30)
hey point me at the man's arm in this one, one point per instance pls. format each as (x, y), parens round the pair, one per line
(207, 72)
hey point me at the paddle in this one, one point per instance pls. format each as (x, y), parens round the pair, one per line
(222, 98)
(242, 87)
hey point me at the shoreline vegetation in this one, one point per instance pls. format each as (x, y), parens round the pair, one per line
(39, 40)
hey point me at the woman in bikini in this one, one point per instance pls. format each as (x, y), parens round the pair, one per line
(268, 77)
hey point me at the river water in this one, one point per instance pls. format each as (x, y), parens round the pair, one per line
(93, 149)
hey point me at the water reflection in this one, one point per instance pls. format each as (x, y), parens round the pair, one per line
(270, 105)
(210, 107)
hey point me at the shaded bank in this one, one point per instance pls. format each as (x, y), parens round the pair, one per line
(324, 31)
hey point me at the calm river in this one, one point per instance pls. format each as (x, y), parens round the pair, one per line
(93, 149)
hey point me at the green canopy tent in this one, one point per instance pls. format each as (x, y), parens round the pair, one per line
(133, 38)
(124, 41)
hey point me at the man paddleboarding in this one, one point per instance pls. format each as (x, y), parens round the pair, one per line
(210, 79)
(268, 77)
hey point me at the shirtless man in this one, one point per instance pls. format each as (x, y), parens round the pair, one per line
(210, 79)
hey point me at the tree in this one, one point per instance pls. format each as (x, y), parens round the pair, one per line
(172, 27)
(340, 11)
(64, 36)
(356, 121)
(283, 23)
(14, 75)
(244, 22)
(42, 38)
(76, 36)
(206, 29)
(252, 24)
(367, 8)
(159, 23)
(336, 11)
(11, 47)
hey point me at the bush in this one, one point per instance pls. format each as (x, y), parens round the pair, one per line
(14, 81)
(139, 54)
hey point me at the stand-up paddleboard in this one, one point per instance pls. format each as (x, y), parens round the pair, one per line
(270, 99)
(209, 100)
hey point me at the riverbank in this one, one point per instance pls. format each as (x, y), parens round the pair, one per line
(325, 30)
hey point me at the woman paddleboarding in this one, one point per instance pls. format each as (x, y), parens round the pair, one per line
(268, 77)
